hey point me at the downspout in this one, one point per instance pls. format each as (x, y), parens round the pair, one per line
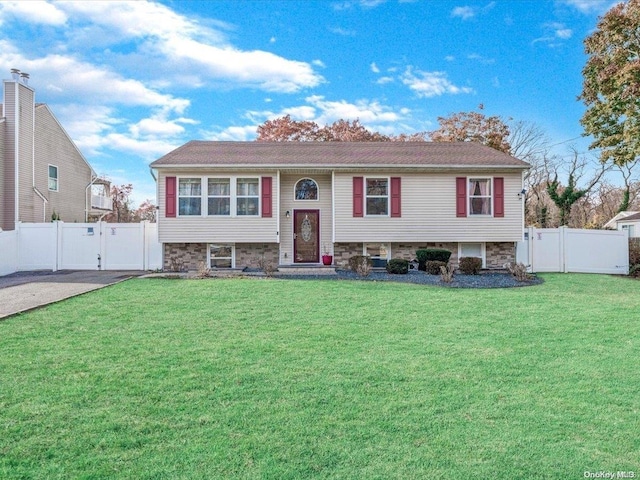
(44, 203)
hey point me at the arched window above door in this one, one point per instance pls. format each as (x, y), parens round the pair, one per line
(306, 189)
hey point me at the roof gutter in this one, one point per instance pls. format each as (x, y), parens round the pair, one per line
(393, 166)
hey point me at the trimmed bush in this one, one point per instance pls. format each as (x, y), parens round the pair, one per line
(519, 271)
(432, 267)
(446, 274)
(361, 264)
(425, 255)
(470, 265)
(398, 266)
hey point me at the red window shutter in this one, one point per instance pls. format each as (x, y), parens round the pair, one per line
(461, 196)
(267, 202)
(358, 196)
(498, 197)
(395, 197)
(170, 197)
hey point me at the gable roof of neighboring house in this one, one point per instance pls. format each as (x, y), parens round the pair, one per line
(622, 216)
(635, 216)
(450, 155)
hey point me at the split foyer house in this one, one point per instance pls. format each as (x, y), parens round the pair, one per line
(231, 204)
(43, 175)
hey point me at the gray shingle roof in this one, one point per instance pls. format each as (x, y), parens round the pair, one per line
(200, 153)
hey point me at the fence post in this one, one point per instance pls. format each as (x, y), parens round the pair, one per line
(564, 268)
(59, 234)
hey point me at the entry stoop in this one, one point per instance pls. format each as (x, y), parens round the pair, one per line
(306, 269)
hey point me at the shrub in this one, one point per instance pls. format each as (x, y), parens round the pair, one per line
(398, 266)
(433, 266)
(361, 264)
(634, 251)
(203, 270)
(634, 271)
(425, 255)
(446, 273)
(519, 271)
(470, 265)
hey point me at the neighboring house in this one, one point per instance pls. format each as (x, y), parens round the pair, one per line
(43, 175)
(232, 204)
(628, 220)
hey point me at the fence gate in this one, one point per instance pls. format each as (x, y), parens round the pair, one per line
(80, 246)
(575, 250)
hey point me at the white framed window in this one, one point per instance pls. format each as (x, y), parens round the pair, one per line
(221, 255)
(480, 196)
(248, 196)
(377, 250)
(189, 196)
(473, 250)
(53, 178)
(377, 196)
(306, 189)
(219, 196)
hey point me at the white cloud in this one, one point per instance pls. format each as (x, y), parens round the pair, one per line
(590, 6)
(384, 80)
(180, 42)
(374, 68)
(450, 58)
(342, 31)
(482, 59)
(554, 31)
(465, 13)
(318, 63)
(431, 84)
(237, 134)
(367, 111)
(38, 12)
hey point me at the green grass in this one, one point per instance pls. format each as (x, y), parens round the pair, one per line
(282, 379)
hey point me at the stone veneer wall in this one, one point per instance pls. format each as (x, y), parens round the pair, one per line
(497, 253)
(500, 253)
(252, 254)
(189, 255)
(186, 256)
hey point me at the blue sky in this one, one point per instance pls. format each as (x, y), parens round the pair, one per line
(130, 81)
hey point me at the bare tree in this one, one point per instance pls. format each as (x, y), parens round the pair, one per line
(565, 196)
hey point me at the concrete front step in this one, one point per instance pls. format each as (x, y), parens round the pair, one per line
(306, 270)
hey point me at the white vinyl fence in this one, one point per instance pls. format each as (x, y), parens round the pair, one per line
(8, 252)
(575, 250)
(80, 246)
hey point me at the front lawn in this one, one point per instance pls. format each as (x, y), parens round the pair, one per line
(248, 378)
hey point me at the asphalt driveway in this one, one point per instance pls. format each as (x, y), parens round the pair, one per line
(23, 291)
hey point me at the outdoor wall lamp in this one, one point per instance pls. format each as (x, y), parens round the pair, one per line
(521, 194)
(288, 214)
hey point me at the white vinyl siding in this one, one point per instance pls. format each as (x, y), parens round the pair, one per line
(429, 212)
(215, 229)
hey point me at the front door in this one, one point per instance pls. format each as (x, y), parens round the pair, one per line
(306, 236)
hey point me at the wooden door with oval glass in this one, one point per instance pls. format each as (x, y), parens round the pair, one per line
(306, 236)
